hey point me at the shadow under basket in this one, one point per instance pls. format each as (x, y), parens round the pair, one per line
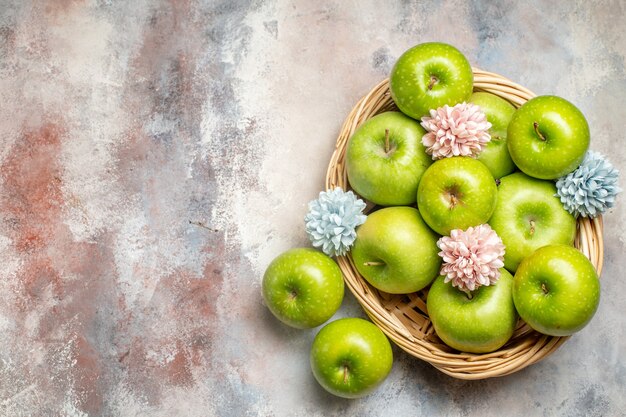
(404, 318)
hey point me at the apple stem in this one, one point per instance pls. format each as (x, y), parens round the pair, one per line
(345, 373)
(386, 141)
(536, 126)
(532, 227)
(453, 194)
(453, 201)
(373, 263)
(544, 288)
(433, 81)
(469, 294)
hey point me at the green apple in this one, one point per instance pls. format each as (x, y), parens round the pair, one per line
(385, 159)
(529, 215)
(556, 290)
(429, 75)
(395, 251)
(350, 357)
(548, 137)
(480, 324)
(303, 287)
(456, 193)
(496, 154)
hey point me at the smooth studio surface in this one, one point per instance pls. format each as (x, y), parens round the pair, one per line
(157, 155)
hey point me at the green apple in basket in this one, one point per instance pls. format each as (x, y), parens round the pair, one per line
(548, 137)
(556, 290)
(456, 193)
(385, 159)
(478, 323)
(303, 287)
(429, 75)
(529, 215)
(395, 251)
(350, 357)
(499, 112)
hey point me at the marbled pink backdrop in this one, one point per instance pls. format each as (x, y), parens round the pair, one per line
(156, 155)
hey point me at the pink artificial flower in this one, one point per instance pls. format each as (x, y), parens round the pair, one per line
(461, 130)
(471, 258)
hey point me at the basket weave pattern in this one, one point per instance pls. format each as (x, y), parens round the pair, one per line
(404, 318)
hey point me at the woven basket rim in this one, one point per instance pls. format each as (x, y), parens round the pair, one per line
(403, 318)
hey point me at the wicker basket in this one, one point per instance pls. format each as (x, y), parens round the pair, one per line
(404, 318)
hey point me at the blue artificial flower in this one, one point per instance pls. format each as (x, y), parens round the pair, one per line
(332, 220)
(591, 189)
